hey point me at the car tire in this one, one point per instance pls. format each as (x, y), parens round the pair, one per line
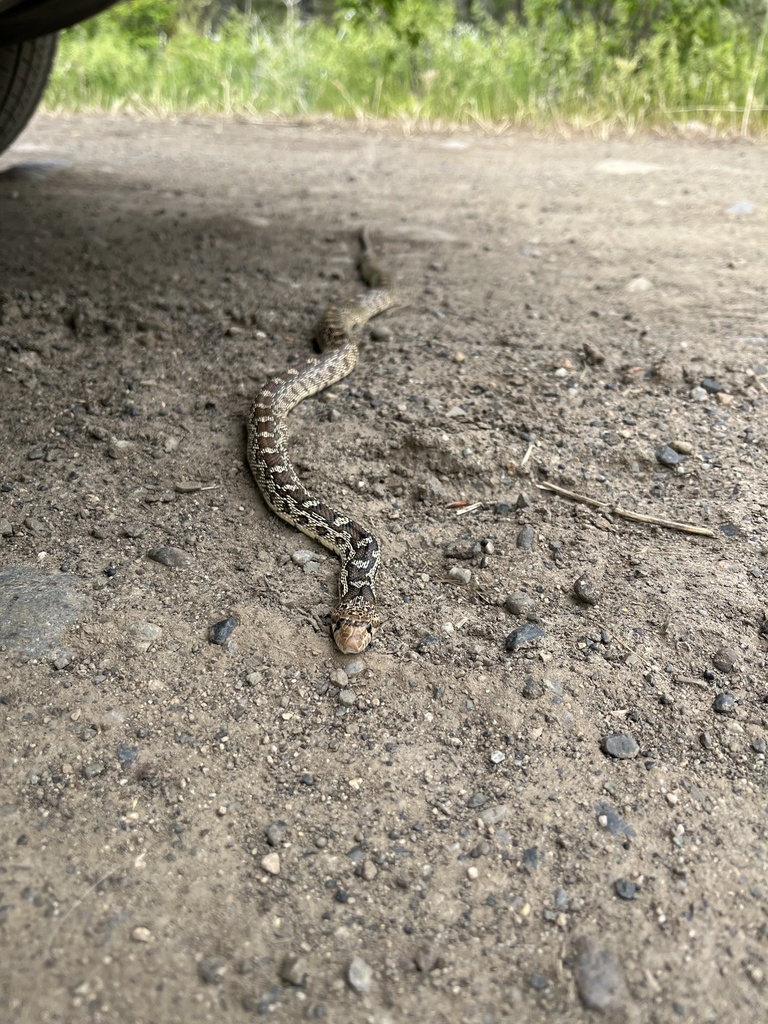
(24, 71)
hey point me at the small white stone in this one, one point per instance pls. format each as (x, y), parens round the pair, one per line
(360, 975)
(459, 575)
(271, 863)
(141, 934)
(472, 873)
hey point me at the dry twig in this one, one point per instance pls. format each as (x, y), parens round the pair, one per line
(635, 517)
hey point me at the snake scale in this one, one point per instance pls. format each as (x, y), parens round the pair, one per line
(354, 619)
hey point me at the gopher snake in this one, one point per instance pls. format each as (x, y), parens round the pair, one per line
(354, 618)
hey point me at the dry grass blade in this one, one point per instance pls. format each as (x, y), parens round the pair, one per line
(635, 517)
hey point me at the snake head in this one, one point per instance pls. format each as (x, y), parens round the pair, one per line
(353, 624)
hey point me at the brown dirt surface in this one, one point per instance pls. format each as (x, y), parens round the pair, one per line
(203, 832)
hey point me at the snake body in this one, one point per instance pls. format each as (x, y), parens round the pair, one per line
(354, 619)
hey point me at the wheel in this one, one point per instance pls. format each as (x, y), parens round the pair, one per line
(24, 70)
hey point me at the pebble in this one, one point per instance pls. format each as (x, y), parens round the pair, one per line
(459, 575)
(626, 889)
(520, 603)
(599, 980)
(294, 970)
(211, 971)
(585, 590)
(472, 873)
(610, 819)
(497, 756)
(6, 530)
(620, 745)
(354, 668)
(141, 934)
(526, 538)
(126, 754)
(221, 631)
(493, 815)
(463, 549)
(369, 870)
(133, 530)
(523, 635)
(144, 634)
(381, 333)
(360, 975)
(532, 688)
(276, 833)
(271, 863)
(175, 558)
(759, 745)
(94, 769)
(724, 703)
(303, 556)
(699, 394)
(667, 456)
(347, 697)
(725, 659)
(712, 386)
(117, 449)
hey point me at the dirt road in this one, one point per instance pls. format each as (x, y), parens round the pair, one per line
(543, 789)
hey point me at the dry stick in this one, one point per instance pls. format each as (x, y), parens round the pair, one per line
(636, 517)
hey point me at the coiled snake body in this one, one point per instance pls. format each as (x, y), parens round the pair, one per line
(354, 619)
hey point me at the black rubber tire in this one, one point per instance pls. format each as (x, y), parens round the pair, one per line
(24, 71)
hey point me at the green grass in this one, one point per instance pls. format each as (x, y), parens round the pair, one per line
(550, 75)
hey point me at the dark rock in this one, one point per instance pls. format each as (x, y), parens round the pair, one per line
(667, 456)
(724, 703)
(725, 659)
(585, 590)
(625, 889)
(223, 630)
(523, 635)
(531, 858)
(620, 745)
(712, 386)
(126, 755)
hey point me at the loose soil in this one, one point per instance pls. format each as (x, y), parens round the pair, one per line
(202, 832)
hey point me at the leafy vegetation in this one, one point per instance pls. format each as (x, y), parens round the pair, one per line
(609, 63)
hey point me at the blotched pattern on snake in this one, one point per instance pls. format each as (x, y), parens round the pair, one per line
(354, 619)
